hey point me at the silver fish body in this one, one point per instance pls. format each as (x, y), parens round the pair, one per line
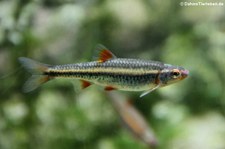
(110, 72)
(123, 74)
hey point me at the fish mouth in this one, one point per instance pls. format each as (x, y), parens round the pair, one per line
(184, 74)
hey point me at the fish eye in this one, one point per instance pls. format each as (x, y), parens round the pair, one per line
(175, 73)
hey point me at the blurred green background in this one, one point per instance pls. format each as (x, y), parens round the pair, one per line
(188, 114)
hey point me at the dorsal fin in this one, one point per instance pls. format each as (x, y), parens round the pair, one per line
(103, 54)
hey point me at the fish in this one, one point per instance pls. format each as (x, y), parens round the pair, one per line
(132, 119)
(108, 71)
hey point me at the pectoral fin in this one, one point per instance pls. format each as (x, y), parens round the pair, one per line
(149, 91)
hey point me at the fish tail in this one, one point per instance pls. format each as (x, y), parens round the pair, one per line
(37, 70)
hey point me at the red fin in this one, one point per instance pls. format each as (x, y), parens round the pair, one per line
(109, 88)
(104, 54)
(85, 84)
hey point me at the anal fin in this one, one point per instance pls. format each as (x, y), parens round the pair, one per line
(109, 88)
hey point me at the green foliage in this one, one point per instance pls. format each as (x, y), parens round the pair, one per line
(189, 114)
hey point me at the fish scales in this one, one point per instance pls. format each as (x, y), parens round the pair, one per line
(108, 71)
(121, 73)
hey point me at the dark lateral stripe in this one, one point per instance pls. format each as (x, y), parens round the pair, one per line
(90, 74)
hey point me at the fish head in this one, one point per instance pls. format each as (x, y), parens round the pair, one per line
(172, 74)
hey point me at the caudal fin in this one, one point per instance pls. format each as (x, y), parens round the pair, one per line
(37, 70)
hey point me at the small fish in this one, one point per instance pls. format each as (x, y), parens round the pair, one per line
(132, 119)
(109, 71)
